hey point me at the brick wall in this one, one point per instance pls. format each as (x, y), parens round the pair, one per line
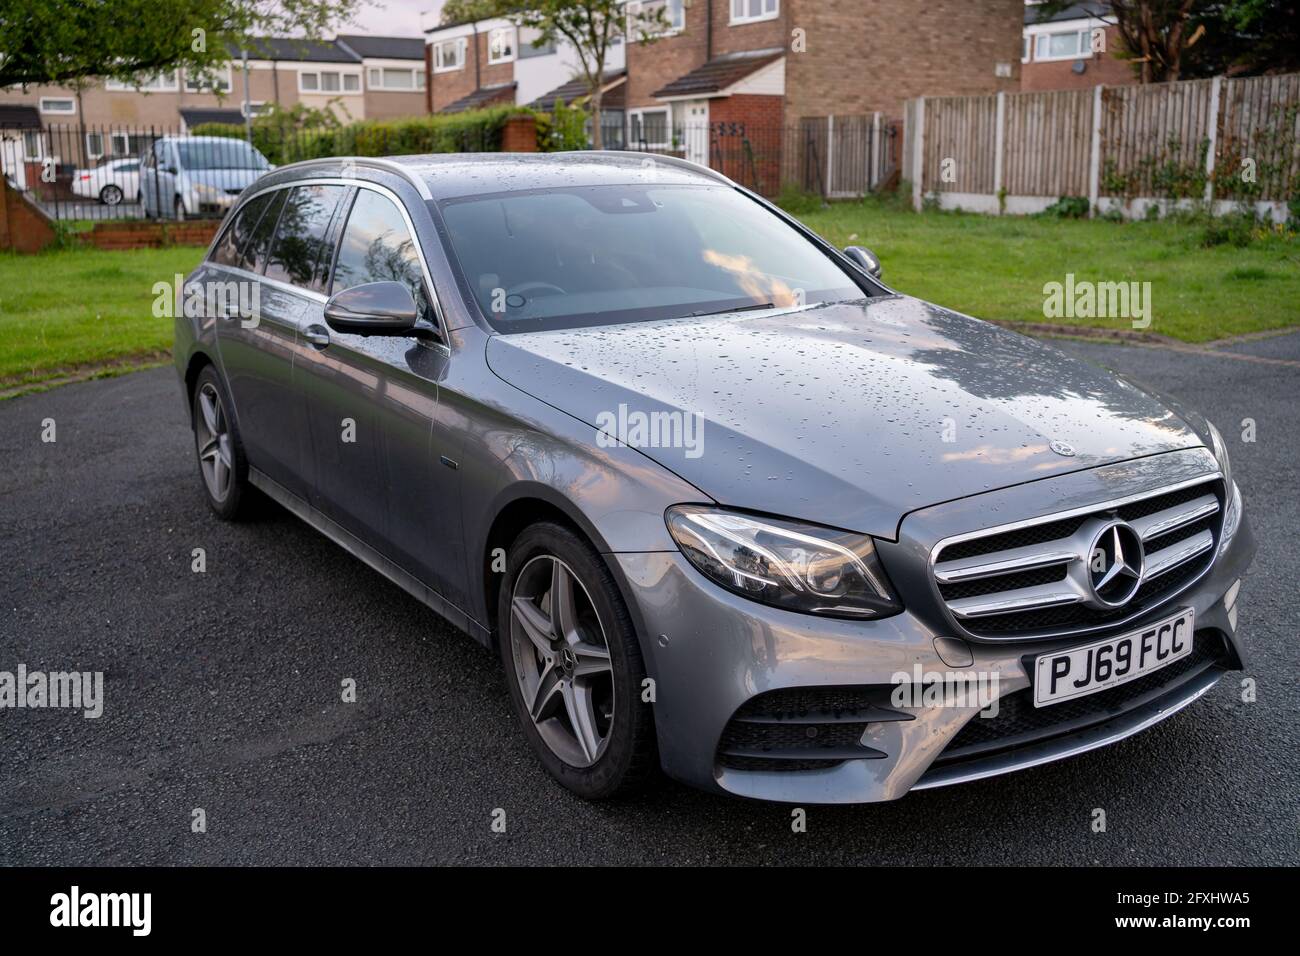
(23, 227)
(141, 235)
(861, 57)
(447, 88)
(747, 140)
(1104, 68)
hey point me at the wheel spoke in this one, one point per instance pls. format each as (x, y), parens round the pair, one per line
(209, 409)
(220, 473)
(592, 659)
(210, 449)
(535, 624)
(578, 705)
(547, 692)
(564, 616)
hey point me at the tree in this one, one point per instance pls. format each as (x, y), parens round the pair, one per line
(1169, 40)
(66, 42)
(590, 26)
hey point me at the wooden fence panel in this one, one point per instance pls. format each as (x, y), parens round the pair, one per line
(963, 130)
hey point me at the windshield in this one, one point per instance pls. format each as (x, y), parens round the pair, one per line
(600, 255)
(227, 154)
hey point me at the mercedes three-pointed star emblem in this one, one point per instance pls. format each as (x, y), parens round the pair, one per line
(1116, 561)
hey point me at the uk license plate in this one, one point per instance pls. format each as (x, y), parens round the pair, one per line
(1079, 671)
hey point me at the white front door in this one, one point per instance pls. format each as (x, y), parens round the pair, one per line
(695, 131)
(11, 160)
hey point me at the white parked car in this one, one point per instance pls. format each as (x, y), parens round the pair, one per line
(110, 183)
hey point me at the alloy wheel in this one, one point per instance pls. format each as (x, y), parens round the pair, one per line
(212, 436)
(111, 195)
(562, 662)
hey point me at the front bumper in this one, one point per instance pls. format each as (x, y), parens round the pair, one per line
(712, 654)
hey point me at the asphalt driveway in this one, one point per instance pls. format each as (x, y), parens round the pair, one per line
(222, 688)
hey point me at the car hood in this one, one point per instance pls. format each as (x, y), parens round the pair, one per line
(846, 414)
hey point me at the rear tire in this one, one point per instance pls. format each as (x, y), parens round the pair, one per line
(223, 467)
(586, 721)
(110, 195)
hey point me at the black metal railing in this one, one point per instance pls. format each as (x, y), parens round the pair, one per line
(91, 173)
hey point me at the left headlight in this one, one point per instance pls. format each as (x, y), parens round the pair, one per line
(786, 564)
(1232, 511)
(1220, 449)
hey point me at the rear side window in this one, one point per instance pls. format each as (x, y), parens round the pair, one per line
(252, 256)
(300, 237)
(238, 231)
(378, 247)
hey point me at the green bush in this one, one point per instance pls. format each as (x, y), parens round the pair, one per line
(1068, 207)
(477, 131)
(798, 201)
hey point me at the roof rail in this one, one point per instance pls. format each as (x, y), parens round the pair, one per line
(666, 160)
(385, 164)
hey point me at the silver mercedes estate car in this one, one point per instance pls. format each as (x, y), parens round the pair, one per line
(723, 502)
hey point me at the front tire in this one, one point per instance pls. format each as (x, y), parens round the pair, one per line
(178, 209)
(573, 665)
(222, 464)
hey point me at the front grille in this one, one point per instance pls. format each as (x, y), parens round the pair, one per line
(1019, 723)
(805, 728)
(1033, 581)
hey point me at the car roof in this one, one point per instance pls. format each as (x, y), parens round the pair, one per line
(455, 175)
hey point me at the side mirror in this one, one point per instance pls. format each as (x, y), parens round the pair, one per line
(376, 308)
(172, 171)
(864, 259)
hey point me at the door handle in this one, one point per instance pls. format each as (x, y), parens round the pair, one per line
(317, 336)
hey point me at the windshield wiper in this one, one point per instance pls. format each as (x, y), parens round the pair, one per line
(743, 308)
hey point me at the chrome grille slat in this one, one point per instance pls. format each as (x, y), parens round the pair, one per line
(1030, 579)
(1166, 559)
(1021, 599)
(1162, 522)
(1002, 562)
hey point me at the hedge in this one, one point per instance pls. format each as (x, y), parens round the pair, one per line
(477, 131)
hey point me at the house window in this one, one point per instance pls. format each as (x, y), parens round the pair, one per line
(527, 48)
(449, 55)
(751, 11)
(328, 81)
(128, 144)
(1024, 49)
(501, 45)
(32, 145)
(94, 145)
(52, 104)
(648, 129)
(160, 83)
(646, 17)
(217, 82)
(1063, 46)
(388, 78)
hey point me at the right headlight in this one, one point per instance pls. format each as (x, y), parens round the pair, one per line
(783, 563)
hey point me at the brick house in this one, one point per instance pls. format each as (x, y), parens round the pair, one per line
(1057, 52)
(766, 67)
(359, 77)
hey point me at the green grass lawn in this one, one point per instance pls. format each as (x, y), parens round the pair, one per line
(995, 268)
(64, 311)
(78, 310)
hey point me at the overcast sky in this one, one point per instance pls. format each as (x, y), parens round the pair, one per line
(395, 18)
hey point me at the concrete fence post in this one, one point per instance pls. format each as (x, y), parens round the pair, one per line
(1094, 155)
(830, 154)
(874, 163)
(999, 139)
(918, 154)
(1216, 86)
